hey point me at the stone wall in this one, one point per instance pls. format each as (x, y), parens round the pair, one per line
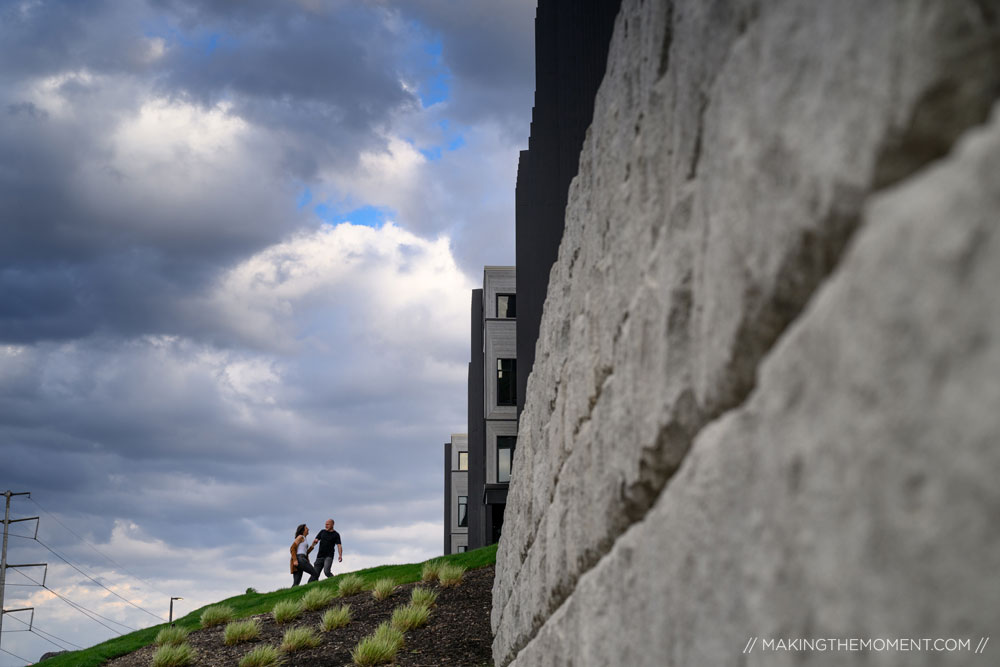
(764, 399)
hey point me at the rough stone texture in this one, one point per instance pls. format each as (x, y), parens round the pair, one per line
(855, 493)
(733, 149)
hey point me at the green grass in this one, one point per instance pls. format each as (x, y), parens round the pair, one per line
(173, 655)
(216, 615)
(378, 648)
(350, 584)
(450, 575)
(260, 603)
(262, 656)
(430, 570)
(409, 617)
(335, 618)
(238, 632)
(298, 639)
(168, 635)
(424, 597)
(317, 598)
(287, 611)
(383, 588)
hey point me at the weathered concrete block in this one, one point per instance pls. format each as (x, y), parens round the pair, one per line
(855, 493)
(733, 146)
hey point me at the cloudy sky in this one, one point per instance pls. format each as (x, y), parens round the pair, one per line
(237, 239)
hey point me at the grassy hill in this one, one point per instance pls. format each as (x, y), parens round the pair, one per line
(259, 603)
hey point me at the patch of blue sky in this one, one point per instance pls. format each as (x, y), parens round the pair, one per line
(206, 42)
(435, 90)
(430, 71)
(369, 216)
(433, 154)
(304, 199)
(434, 47)
(213, 42)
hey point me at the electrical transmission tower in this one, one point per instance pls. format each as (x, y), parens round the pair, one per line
(3, 560)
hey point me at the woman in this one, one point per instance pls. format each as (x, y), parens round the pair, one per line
(300, 555)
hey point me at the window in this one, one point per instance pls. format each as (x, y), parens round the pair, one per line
(463, 511)
(506, 305)
(505, 455)
(462, 549)
(463, 460)
(506, 381)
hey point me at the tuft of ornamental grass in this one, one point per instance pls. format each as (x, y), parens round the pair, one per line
(423, 596)
(317, 598)
(286, 611)
(262, 656)
(298, 639)
(335, 618)
(216, 615)
(173, 655)
(350, 584)
(431, 570)
(410, 617)
(171, 635)
(378, 648)
(383, 588)
(450, 575)
(241, 631)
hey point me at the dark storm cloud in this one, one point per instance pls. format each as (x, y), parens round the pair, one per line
(70, 242)
(320, 81)
(490, 52)
(190, 364)
(326, 77)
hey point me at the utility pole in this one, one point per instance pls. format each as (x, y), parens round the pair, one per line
(171, 621)
(3, 555)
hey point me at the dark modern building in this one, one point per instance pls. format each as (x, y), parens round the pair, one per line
(456, 494)
(571, 51)
(492, 402)
(477, 465)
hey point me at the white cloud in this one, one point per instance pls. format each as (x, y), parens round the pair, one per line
(156, 48)
(388, 284)
(164, 133)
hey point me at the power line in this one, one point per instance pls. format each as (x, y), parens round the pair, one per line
(63, 559)
(26, 661)
(83, 610)
(35, 630)
(34, 626)
(99, 552)
(45, 634)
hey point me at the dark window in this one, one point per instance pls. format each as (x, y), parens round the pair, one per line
(463, 510)
(462, 549)
(506, 381)
(506, 305)
(463, 460)
(505, 455)
(497, 527)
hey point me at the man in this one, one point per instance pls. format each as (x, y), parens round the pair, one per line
(327, 538)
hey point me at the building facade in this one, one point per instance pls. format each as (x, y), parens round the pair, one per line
(571, 47)
(492, 411)
(571, 51)
(499, 433)
(456, 494)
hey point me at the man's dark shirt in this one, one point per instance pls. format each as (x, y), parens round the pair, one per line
(327, 539)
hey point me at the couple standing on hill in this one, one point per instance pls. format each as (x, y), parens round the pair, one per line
(327, 538)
